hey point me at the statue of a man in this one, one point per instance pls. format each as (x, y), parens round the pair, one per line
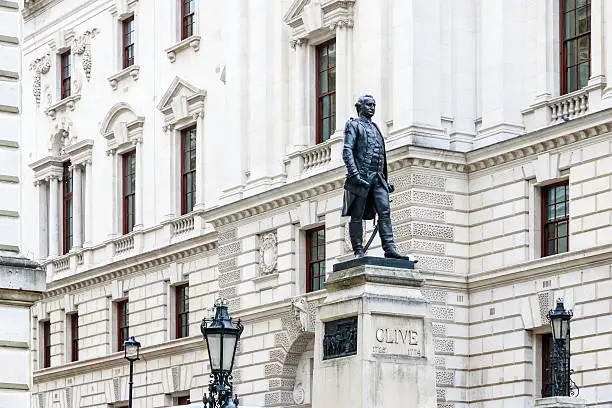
(366, 190)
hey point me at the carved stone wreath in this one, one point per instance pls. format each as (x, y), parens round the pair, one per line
(268, 253)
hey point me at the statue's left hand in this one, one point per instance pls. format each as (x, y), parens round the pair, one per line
(391, 188)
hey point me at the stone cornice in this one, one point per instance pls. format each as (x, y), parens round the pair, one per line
(530, 270)
(328, 15)
(50, 166)
(540, 141)
(169, 348)
(79, 152)
(116, 269)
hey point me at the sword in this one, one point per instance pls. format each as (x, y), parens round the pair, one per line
(365, 248)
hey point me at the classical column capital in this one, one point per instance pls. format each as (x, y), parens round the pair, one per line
(297, 42)
(197, 114)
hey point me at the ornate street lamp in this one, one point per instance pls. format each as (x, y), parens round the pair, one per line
(131, 352)
(222, 336)
(559, 381)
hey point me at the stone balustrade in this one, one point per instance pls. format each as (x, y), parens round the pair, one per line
(182, 225)
(124, 244)
(316, 156)
(569, 106)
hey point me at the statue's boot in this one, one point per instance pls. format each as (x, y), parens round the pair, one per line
(356, 234)
(386, 237)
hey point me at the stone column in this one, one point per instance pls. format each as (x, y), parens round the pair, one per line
(607, 12)
(115, 225)
(88, 203)
(138, 219)
(77, 214)
(54, 186)
(300, 136)
(543, 26)
(43, 218)
(199, 196)
(341, 77)
(373, 342)
(499, 82)
(597, 43)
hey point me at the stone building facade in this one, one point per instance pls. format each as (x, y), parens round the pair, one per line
(192, 150)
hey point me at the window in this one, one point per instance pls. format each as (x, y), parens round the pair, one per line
(122, 323)
(46, 343)
(65, 60)
(545, 348)
(188, 169)
(67, 221)
(129, 191)
(315, 259)
(576, 44)
(128, 42)
(187, 18)
(326, 90)
(74, 337)
(555, 216)
(184, 400)
(182, 311)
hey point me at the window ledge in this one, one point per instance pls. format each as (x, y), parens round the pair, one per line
(131, 71)
(190, 42)
(66, 103)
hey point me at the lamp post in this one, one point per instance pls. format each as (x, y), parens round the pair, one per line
(131, 352)
(222, 336)
(559, 381)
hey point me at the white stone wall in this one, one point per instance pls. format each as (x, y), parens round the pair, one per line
(449, 77)
(10, 107)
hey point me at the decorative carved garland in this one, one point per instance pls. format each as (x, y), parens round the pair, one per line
(268, 253)
(82, 46)
(40, 66)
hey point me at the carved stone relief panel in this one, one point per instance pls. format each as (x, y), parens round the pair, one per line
(268, 253)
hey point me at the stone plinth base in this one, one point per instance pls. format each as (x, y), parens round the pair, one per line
(374, 346)
(560, 402)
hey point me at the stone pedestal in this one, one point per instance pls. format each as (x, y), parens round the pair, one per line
(560, 402)
(374, 346)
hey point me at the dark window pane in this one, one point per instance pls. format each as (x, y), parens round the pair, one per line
(560, 194)
(323, 59)
(187, 161)
(583, 75)
(562, 228)
(188, 184)
(562, 245)
(560, 210)
(323, 83)
(321, 254)
(332, 55)
(550, 212)
(572, 82)
(551, 247)
(551, 231)
(571, 52)
(583, 22)
(551, 196)
(570, 4)
(325, 131)
(569, 24)
(325, 106)
(583, 48)
(332, 79)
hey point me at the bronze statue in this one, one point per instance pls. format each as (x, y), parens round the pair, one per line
(366, 190)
